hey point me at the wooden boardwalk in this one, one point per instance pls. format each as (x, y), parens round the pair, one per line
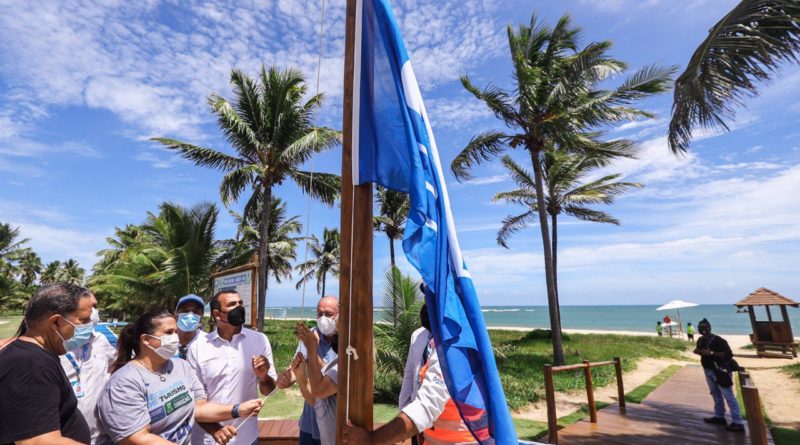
(672, 414)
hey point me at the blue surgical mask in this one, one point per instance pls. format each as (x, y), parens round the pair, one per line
(188, 321)
(83, 333)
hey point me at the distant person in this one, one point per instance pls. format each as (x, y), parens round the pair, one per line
(327, 316)
(717, 360)
(153, 398)
(232, 363)
(38, 405)
(427, 413)
(189, 312)
(659, 329)
(690, 331)
(87, 367)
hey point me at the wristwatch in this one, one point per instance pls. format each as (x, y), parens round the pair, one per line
(235, 411)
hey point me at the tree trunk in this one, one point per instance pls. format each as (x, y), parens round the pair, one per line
(394, 300)
(552, 302)
(323, 285)
(263, 257)
(554, 228)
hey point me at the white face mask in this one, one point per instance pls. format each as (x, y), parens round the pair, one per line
(95, 316)
(326, 325)
(169, 345)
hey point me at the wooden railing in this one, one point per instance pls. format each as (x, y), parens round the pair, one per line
(549, 370)
(752, 405)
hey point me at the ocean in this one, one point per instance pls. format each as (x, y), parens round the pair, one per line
(642, 318)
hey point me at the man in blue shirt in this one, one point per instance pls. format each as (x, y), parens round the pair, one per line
(327, 314)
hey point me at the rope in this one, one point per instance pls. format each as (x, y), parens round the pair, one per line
(311, 177)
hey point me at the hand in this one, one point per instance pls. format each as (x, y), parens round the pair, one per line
(250, 407)
(225, 434)
(285, 379)
(309, 339)
(300, 369)
(297, 360)
(355, 435)
(261, 367)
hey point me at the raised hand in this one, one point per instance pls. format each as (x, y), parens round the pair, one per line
(261, 367)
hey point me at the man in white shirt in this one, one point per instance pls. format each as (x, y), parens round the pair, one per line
(232, 363)
(86, 367)
(424, 401)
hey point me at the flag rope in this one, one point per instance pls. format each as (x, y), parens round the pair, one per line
(311, 177)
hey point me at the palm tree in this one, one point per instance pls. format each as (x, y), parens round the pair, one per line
(744, 47)
(13, 295)
(271, 130)
(393, 214)
(153, 264)
(282, 244)
(30, 266)
(10, 244)
(556, 104)
(52, 272)
(72, 272)
(566, 193)
(325, 260)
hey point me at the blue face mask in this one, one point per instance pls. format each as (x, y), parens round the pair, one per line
(83, 333)
(188, 321)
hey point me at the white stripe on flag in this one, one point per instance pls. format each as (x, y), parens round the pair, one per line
(431, 189)
(355, 149)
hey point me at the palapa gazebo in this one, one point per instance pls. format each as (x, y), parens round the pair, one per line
(771, 338)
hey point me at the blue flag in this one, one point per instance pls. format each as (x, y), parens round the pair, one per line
(393, 145)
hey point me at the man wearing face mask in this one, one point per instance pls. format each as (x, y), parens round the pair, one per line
(86, 365)
(718, 364)
(232, 363)
(189, 312)
(327, 314)
(38, 405)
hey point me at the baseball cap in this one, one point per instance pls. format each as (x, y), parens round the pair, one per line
(190, 298)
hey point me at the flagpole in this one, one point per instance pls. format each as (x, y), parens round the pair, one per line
(356, 376)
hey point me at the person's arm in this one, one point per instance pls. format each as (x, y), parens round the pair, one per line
(302, 381)
(398, 430)
(209, 412)
(264, 367)
(144, 437)
(51, 438)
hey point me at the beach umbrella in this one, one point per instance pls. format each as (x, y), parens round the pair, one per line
(677, 305)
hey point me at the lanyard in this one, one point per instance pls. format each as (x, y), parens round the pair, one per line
(74, 360)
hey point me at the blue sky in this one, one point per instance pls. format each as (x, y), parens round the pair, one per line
(84, 84)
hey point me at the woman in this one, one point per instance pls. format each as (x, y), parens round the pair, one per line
(151, 399)
(38, 405)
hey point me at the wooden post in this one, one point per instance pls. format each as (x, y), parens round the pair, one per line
(550, 394)
(769, 314)
(751, 312)
(620, 386)
(752, 406)
(587, 372)
(786, 320)
(355, 314)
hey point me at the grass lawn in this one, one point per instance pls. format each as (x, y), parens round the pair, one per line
(9, 325)
(641, 392)
(521, 357)
(792, 370)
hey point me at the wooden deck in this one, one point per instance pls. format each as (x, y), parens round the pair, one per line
(278, 432)
(672, 414)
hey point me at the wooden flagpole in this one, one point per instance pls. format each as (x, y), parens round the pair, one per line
(356, 377)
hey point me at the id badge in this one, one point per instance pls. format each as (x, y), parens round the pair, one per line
(77, 388)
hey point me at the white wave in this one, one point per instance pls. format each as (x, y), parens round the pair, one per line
(500, 310)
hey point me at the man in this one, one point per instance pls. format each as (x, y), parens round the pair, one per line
(38, 406)
(87, 368)
(189, 312)
(232, 363)
(690, 331)
(425, 404)
(327, 315)
(717, 360)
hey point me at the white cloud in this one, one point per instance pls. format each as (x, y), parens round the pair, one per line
(457, 113)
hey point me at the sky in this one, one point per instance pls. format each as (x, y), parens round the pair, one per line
(85, 84)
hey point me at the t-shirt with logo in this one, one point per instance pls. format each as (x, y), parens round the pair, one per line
(135, 397)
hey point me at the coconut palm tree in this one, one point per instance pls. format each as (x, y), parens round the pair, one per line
(30, 266)
(566, 193)
(393, 214)
(13, 295)
(72, 272)
(325, 260)
(151, 265)
(270, 127)
(746, 46)
(556, 103)
(283, 232)
(10, 244)
(52, 272)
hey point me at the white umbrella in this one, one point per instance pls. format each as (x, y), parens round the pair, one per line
(677, 305)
